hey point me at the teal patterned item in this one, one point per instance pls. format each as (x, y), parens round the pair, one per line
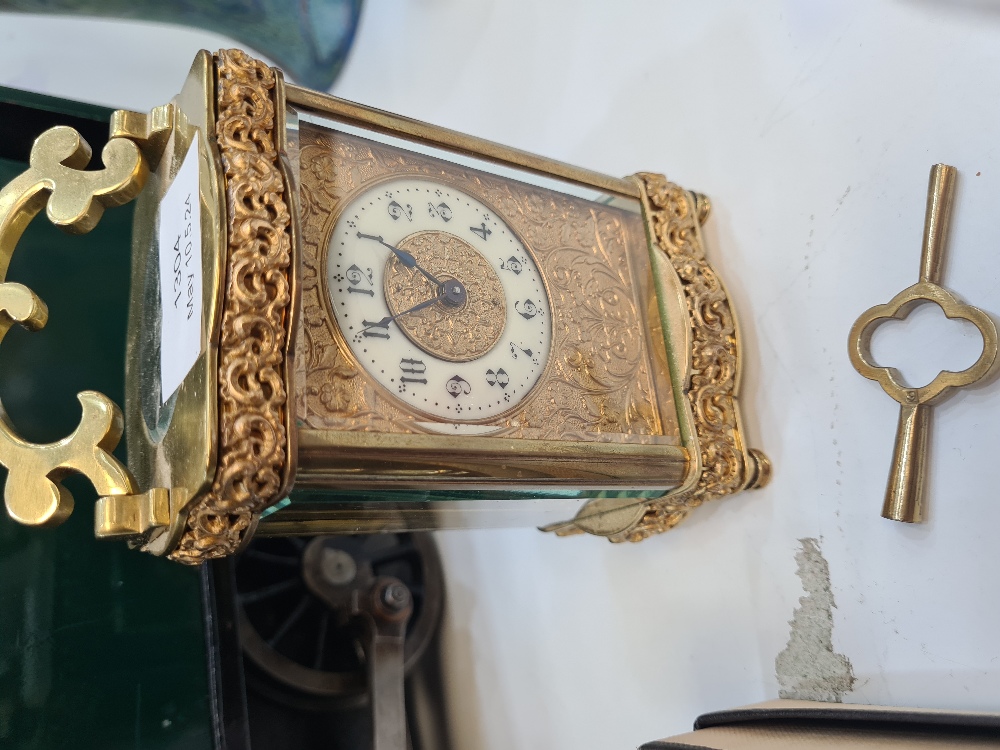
(308, 39)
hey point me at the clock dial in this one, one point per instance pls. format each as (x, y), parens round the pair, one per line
(438, 299)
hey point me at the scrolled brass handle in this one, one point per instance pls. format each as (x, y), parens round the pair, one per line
(74, 200)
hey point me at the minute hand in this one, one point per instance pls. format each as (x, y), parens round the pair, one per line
(404, 257)
(384, 323)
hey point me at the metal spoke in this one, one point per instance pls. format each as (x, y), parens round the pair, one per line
(324, 627)
(289, 621)
(270, 557)
(273, 590)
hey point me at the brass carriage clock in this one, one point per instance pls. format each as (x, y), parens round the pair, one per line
(344, 321)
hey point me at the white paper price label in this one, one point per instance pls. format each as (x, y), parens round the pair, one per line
(180, 275)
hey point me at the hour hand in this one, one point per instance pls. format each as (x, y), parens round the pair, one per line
(404, 257)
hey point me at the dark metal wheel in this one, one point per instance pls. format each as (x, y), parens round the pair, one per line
(299, 650)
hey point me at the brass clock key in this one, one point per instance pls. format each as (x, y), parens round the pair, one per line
(903, 496)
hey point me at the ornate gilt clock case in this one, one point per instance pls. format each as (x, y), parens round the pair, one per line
(343, 320)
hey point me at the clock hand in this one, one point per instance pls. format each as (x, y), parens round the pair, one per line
(384, 323)
(404, 257)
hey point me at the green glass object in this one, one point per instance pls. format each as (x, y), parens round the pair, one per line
(99, 647)
(309, 39)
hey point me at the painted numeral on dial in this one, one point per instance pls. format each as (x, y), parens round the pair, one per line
(458, 386)
(482, 230)
(500, 378)
(397, 211)
(441, 210)
(512, 264)
(413, 367)
(357, 277)
(526, 352)
(527, 309)
(381, 330)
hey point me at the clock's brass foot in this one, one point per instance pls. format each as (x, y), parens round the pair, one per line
(131, 516)
(760, 474)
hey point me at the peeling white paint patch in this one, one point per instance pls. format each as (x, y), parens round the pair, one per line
(808, 668)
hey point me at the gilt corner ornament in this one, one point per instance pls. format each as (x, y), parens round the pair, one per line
(254, 454)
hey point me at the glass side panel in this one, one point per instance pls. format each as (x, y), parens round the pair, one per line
(372, 511)
(482, 165)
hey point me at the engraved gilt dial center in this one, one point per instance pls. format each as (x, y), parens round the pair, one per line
(470, 312)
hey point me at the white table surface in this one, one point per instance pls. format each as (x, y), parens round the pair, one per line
(812, 125)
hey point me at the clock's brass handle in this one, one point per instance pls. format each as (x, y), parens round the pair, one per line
(904, 492)
(74, 200)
